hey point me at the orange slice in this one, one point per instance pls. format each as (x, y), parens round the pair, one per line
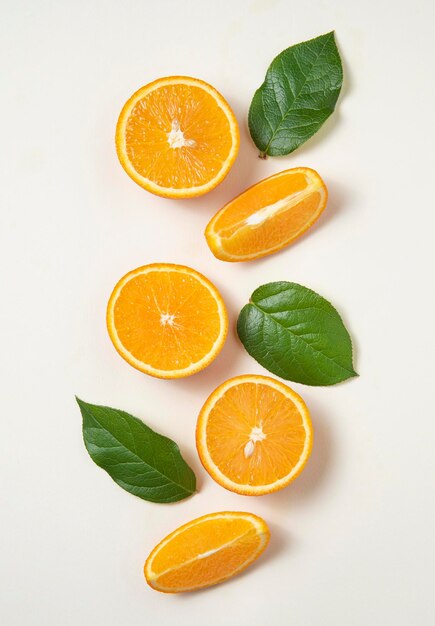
(268, 216)
(177, 137)
(167, 320)
(254, 435)
(206, 551)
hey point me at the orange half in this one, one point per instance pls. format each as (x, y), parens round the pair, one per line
(268, 216)
(206, 551)
(167, 320)
(177, 137)
(254, 435)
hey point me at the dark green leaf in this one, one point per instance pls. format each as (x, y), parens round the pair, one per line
(296, 334)
(298, 95)
(139, 460)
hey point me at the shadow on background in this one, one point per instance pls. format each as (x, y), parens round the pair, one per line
(279, 541)
(315, 473)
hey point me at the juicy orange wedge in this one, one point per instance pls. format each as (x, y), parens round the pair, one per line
(268, 216)
(254, 435)
(177, 137)
(206, 551)
(167, 320)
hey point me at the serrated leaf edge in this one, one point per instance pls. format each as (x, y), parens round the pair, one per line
(352, 372)
(264, 153)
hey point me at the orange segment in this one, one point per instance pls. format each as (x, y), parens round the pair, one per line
(254, 435)
(206, 551)
(268, 216)
(177, 137)
(167, 320)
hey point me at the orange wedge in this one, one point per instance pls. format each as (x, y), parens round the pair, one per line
(206, 551)
(177, 137)
(167, 320)
(254, 435)
(268, 216)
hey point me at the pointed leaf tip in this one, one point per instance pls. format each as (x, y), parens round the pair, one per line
(296, 334)
(299, 93)
(137, 458)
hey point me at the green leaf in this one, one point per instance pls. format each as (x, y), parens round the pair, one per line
(296, 334)
(298, 95)
(139, 460)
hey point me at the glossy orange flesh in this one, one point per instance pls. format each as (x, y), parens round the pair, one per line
(177, 137)
(254, 435)
(268, 216)
(206, 551)
(167, 320)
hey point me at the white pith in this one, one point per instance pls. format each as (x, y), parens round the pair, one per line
(257, 434)
(167, 319)
(176, 138)
(265, 213)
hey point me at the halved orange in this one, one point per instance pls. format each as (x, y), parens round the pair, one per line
(268, 216)
(167, 320)
(254, 435)
(177, 137)
(206, 551)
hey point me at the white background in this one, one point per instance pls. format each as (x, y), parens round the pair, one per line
(353, 536)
